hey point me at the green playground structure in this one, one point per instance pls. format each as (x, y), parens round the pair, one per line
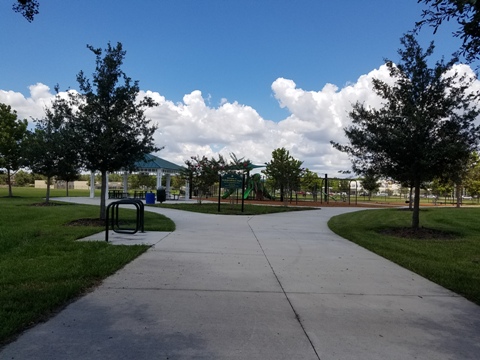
(247, 193)
(338, 198)
(325, 195)
(255, 184)
(228, 192)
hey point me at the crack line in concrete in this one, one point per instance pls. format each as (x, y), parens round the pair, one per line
(297, 316)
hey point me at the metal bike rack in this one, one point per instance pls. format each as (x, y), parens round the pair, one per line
(113, 218)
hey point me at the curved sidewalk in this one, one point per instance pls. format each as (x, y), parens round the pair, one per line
(279, 286)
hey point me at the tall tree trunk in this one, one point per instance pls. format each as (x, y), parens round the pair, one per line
(9, 181)
(102, 195)
(416, 206)
(47, 198)
(286, 196)
(410, 202)
(67, 188)
(458, 190)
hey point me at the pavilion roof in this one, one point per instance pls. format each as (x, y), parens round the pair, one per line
(152, 162)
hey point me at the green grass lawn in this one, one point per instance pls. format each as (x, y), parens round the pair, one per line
(232, 209)
(423, 200)
(453, 262)
(42, 267)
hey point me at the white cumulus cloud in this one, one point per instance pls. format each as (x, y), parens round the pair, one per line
(193, 127)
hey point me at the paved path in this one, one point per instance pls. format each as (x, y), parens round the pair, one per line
(278, 286)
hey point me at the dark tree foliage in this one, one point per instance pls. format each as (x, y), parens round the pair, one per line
(68, 170)
(136, 181)
(310, 182)
(112, 130)
(202, 173)
(465, 12)
(472, 178)
(370, 183)
(28, 8)
(236, 164)
(52, 150)
(425, 128)
(285, 171)
(12, 135)
(23, 178)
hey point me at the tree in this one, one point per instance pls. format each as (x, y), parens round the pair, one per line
(68, 170)
(70, 163)
(370, 183)
(472, 178)
(28, 8)
(236, 164)
(424, 128)
(177, 182)
(52, 150)
(285, 170)
(23, 178)
(203, 173)
(110, 122)
(344, 185)
(42, 155)
(139, 180)
(442, 187)
(12, 136)
(311, 182)
(465, 12)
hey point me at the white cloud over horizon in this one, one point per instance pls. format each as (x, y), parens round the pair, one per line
(193, 127)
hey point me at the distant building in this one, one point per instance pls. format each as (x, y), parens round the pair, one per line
(82, 185)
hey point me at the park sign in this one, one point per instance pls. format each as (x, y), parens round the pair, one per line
(231, 181)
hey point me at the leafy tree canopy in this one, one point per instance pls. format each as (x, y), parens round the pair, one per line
(110, 123)
(23, 178)
(142, 180)
(28, 8)
(425, 127)
(310, 181)
(203, 172)
(237, 164)
(370, 183)
(465, 13)
(12, 134)
(52, 150)
(285, 170)
(472, 178)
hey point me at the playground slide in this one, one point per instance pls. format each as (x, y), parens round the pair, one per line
(330, 196)
(227, 193)
(267, 194)
(254, 183)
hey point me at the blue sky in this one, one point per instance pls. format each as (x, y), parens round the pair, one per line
(230, 51)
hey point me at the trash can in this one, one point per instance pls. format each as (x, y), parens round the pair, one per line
(150, 198)
(161, 195)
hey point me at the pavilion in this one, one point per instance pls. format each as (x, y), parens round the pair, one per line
(151, 164)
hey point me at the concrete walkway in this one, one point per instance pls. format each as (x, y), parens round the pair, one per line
(279, 286)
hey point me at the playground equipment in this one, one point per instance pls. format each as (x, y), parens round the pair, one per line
(255, 184)
(228, 192)
(326, 196)
(332, 197)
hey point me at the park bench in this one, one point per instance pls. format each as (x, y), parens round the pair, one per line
(117, 194)
(175, 194)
